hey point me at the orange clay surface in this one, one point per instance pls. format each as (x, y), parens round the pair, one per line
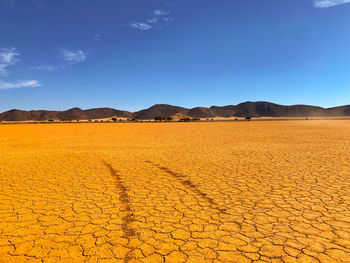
(175, 192)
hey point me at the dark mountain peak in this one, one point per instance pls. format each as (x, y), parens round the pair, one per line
(161, 105)
(74, 109)
(159, 110)
(13, 115)
(104, 108)
(14, 110)
(165, 106)
(100, 113)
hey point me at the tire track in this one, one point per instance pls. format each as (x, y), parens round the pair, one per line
(129, 231)
(190, 185)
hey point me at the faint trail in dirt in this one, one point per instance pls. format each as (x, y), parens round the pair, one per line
(190, 185)
(128, 230)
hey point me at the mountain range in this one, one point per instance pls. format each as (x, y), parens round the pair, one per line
(252, 109)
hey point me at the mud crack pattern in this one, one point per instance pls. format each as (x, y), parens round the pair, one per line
(177, 192)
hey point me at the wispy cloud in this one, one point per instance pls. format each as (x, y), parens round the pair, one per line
(157, 19)
(49, 68)
(97, 37)
(19, 84)
(168, 19)
(153, 20)
(69, 56)
(8, 57)
(329, 3)
(160, 12)
(141, 26)
(73, 56)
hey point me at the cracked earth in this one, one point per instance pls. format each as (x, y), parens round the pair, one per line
(175, 192)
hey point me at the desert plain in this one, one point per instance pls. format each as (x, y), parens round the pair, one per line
(276, 191)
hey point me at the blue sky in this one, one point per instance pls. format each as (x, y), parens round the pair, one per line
(131, 54)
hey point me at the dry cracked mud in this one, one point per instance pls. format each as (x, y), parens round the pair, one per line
(175, 192)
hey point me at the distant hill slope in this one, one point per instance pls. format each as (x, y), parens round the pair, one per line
(201, 112)
(71, 114)
(100, 113)
(253, 109)
(19, 115)
(159, 110)
(267, 109)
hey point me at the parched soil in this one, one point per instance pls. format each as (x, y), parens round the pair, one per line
(274, 191)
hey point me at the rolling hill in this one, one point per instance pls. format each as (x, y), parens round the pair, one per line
(253, 109)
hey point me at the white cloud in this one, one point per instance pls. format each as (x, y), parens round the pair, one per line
(19, 84)
(73, 56)
(160, 12)
(48, 68)
(8, 57)
(141, 26)
(329, 3)
(153, 20)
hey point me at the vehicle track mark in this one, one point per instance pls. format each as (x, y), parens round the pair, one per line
(129, 231)
(190, 185)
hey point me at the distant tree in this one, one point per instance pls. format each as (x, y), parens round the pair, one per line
(159, 118)
(89, 120)
(65, 120)
(169, 118)
(114, 119)
(248, 118)
(50, 120)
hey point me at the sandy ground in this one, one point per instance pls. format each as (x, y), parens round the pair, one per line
(175, 192)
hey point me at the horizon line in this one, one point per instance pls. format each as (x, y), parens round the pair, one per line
(105, 107)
